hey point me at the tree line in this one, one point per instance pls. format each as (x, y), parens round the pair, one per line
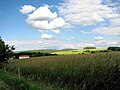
(33, 54)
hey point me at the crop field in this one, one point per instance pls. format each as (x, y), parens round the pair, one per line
(81, 51)
(99, 71)
(67, 51)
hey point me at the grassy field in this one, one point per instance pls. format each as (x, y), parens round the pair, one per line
(81, 51)
(67, 51)
(100, 71)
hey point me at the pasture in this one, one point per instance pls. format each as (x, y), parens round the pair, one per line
(99, 71)
(81, 51)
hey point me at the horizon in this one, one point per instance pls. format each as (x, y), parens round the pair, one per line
(60, 24)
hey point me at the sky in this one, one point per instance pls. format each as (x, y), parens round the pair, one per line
(59, 24)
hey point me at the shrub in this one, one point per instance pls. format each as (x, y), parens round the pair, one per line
(93, 52)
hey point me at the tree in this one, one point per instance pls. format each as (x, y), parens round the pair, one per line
(6, 52)
(89, 47)
(114, 48)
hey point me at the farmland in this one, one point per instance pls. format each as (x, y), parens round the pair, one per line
(71, 72)
(81, 51)
(67, 51)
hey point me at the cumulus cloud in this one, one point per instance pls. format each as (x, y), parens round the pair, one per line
(68, 46)
(46, 25)
(43, 18)
(89, 12)
(42, 13)
(85, 12)
(107, 43)
(46, 36)
(107, 30)
(27, 9)
(21, 45)
(98, 38)
(25, 44)
(112, 29)
(77, 45)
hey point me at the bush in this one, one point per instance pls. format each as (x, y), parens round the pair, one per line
(93, 52)
(86, 51)
(13, 83)
(104, 51)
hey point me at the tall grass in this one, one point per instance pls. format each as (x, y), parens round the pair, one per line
(100, 71)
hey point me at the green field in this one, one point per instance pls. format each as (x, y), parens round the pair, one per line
(81, 51)
(99, 71)
(67, 51)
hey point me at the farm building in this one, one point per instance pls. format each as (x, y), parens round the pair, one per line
(24, 56)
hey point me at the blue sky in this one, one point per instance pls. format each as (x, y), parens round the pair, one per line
(58, 24)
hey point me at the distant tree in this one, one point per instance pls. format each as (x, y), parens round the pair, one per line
(89, 47)
(6, 51)
(114, 48)
(68, 49)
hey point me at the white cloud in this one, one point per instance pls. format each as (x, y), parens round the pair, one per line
(107, 30)
(56, 31)
(40, 42)
(44, 19)
(112, 29)
(58, 44)
(46, 25)
(87, 44)
(25, 44)
(68, 46)
(107, 43)
(89, 12)
(42, 13)
(34, 44)
(85, 12)
(46, 36)
(77, 45)
(115, 22)
(98, 38)
(27, 9)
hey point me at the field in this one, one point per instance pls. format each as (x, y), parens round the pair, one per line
(67, 51)
(81, 51)
(71, 72)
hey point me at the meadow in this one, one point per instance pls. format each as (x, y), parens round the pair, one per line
(81, 51)
(67, 51)
(99, 71)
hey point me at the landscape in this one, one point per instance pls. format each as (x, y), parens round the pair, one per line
(59, 45)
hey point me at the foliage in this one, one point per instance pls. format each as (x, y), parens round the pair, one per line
(114, 48)
(43, 50)
(104, 50)
(99, 71)
(89, 47)
(33, 54)
(6, 51)
(2, 85)
(13, 83)
(68, 49)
